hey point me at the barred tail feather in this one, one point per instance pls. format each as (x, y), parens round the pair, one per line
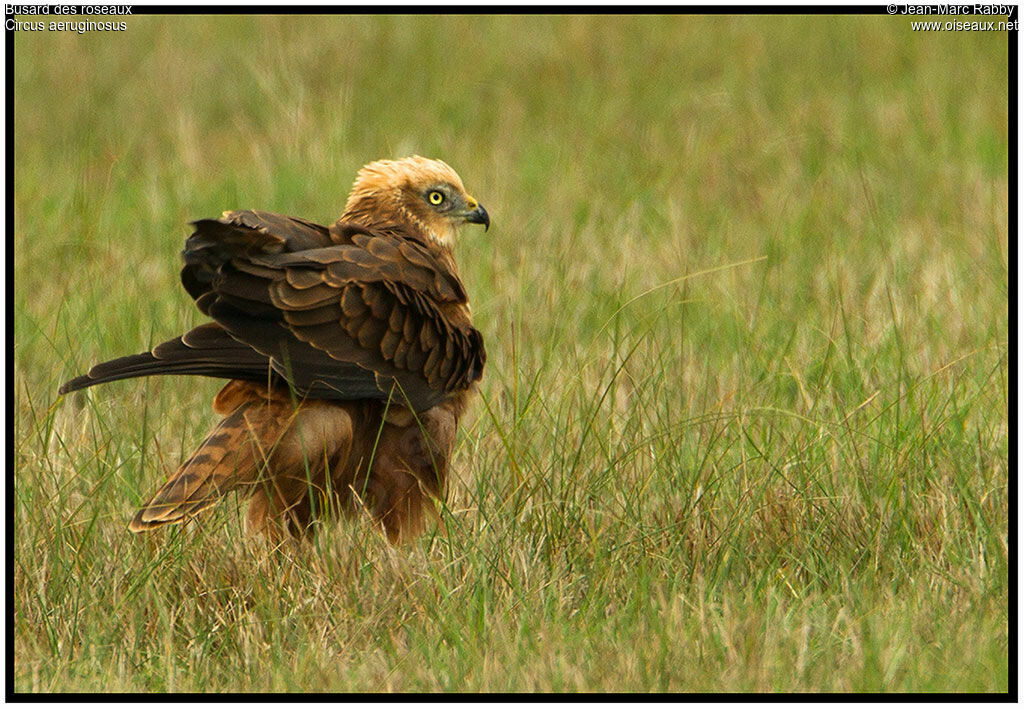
(226, 460)
(264, 438)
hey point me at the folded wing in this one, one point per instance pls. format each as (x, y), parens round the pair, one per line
(339, 313)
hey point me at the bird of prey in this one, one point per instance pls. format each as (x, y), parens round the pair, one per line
(350, 352)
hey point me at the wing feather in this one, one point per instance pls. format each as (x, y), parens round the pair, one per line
(356, 317)
(339, 313)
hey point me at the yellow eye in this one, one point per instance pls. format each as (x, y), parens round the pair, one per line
(435, 197)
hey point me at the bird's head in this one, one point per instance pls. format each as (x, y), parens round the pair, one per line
(426, 195)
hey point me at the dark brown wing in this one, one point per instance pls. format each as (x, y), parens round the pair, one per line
(243, 233)
(374, 316)
(207, 350)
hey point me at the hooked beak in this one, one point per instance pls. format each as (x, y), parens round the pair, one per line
(478, 215)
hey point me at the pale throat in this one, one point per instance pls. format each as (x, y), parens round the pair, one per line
(444, 237)
(378, 213)
(440, 231)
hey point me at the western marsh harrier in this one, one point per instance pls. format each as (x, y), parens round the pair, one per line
(350, 350)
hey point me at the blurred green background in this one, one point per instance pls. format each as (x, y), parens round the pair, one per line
(743, 425)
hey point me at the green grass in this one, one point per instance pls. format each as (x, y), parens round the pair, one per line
(744, 421)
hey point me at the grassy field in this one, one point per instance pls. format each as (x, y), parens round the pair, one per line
(744, 421)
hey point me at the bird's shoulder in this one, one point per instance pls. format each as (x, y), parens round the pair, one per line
(390, 253)
(411, 257)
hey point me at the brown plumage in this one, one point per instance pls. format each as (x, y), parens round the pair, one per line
(350, 351)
